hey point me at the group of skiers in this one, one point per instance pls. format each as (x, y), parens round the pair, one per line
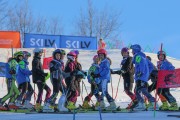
(142, 71)
(66, 78)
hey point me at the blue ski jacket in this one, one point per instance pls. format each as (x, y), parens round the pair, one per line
(23, 72)
(165, 65)
(141, 67)
(104, 70)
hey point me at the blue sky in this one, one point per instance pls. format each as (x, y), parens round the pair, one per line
(145, 22)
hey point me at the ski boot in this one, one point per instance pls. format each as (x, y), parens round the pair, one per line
(132, 105)
(18, 104)
(27, 104)
(151, 106)
(38, 107)
(140, 106)
(101, 105)
(3, 108)
(164, 106)
(173, 106)
(71, 105)
(112, 106)
(61, 103)
(86, 105)
(12, 106)
(47, 108)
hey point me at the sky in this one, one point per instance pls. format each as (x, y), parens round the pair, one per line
(144, 22)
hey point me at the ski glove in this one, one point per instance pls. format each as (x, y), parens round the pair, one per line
(117, 72)
(123, 72)
(95, 75)
(84, 72)
(45, 74)
(12, 72)
(74, 73)
(112, 72)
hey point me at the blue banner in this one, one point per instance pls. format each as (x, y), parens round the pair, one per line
(2, 69)
(41, 41)
(78, 42)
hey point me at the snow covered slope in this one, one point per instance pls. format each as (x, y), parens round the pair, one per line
(85, 59)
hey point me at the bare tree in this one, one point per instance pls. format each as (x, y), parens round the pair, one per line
(81, 28)
(55, 26)
(41, 25)
(103, 24)
(21, 19)
(107, 24)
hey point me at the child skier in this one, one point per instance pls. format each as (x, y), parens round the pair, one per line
(23, 80)
(127, 71)
(38, 76)
(13, 92)
(153, 76)
(94, 84)
(164, 64)
(104, 77)
(141, 77)
(70, 81)
(78, 79)
(57, 76)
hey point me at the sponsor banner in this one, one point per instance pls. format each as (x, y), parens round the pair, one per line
(46, 62)
(10, 39)
(41, 41)
(168, 78)
(78, 42)
(2, 69)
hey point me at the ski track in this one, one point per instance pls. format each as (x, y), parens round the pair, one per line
(147, 115)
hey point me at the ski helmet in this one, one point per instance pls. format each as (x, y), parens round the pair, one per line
(149, 58)
(55, 52)
(71, 55)
(161, 53)
(17, 54)
(26, 53)
(136, 48)
(75, 51)
(63, 52)
(38, 50)
(102, 51)
(95, 57)
(125, 49)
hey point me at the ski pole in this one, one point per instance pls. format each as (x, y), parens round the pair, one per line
(82, 92)
(34, 95)
(74, 115)
(87, 92)
(117, 87)
(112, 87)
(100, 113)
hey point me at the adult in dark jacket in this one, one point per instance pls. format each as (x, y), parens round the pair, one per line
(38, 76)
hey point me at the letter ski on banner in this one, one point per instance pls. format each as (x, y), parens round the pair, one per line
(9, 39)
(78, 42)
(2, 69)
(46, 62)
(168, 78)
(41, 41)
